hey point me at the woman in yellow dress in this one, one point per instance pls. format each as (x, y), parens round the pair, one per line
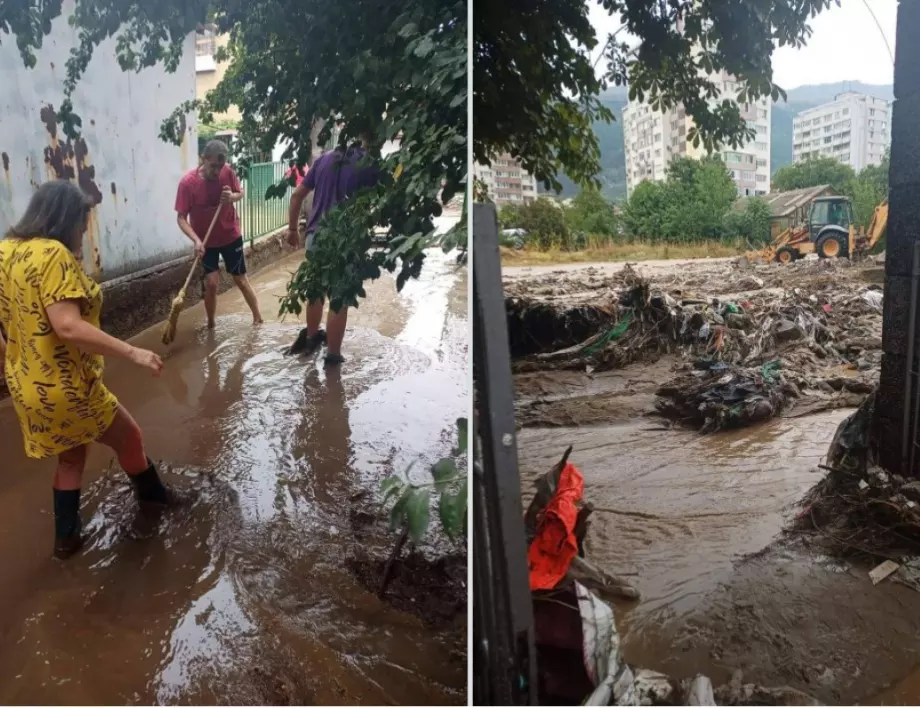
(52, 357)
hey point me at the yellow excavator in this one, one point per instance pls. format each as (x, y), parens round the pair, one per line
(830, 232)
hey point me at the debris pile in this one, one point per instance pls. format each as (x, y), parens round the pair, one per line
(858, 509)
(726, 397)
(745, 351)
(535, 326)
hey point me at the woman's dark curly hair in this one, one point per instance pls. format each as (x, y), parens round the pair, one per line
(57, 210)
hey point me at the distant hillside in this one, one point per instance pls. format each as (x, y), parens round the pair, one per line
(613, 157)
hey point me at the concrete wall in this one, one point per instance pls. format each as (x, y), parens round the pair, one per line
(119, 160)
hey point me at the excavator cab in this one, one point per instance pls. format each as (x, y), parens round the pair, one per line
(830, 222)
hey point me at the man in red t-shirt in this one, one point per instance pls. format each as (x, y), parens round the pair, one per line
(200, 191)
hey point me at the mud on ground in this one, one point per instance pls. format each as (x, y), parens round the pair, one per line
(732, 343)
(699, 522)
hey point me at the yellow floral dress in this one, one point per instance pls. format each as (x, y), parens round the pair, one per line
(57, 390)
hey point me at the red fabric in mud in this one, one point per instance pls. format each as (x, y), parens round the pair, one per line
(553, 548)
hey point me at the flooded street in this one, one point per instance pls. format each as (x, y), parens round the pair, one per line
(696, 523)
(246, 597)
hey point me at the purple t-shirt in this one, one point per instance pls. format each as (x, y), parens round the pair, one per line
(333, 178)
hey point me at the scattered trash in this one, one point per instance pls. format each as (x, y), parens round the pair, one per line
(882, 571)
(909, 573)
(857, 509)
(700, 692)
(873, 298)
(809, 318)
(738, 693)
(716, 400)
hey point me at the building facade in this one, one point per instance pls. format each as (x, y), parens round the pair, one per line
(653, 138)
(854, 128)
(128, 228)
(208, 72)
(507, 181)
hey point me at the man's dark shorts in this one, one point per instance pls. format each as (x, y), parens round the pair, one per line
(233, 257)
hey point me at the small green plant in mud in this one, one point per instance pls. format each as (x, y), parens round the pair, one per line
(411, 511)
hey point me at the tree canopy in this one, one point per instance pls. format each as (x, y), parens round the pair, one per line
(536, 89)
(689, 205)
(590, 213)
(398, 70)
(814, 172)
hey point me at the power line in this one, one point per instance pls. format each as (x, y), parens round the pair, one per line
(880, 30)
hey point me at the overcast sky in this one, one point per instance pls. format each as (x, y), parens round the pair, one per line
(845, 45)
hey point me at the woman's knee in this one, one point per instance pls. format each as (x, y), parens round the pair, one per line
(69, 471)
(124, 436)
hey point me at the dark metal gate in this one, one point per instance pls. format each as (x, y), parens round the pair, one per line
(504, 662)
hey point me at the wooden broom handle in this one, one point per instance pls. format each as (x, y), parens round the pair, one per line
(203, 243)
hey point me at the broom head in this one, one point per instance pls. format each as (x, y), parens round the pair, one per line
(169, 331)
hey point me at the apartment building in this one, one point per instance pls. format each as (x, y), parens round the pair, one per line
(653, 138)
(208, 72)
(853, 128)
(507, 181)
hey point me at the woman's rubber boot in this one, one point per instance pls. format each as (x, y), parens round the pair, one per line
(68, 537)
(150, 490)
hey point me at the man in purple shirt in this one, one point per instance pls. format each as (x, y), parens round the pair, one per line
(332, 178)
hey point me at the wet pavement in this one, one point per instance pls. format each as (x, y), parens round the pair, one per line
(246, 597)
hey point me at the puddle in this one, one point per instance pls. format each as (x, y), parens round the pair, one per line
(246, 597)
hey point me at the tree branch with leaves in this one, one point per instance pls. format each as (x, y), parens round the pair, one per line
(397, 70)
(536, 90)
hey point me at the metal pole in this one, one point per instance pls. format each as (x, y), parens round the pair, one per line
(512, 659)
(909, 435)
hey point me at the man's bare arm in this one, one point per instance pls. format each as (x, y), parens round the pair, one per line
(297, 196)
(186, 228)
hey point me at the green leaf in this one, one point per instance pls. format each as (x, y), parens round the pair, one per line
(452, 510)
(398, 512)
(390, 486)
(462, 435)
(418, 513)
(444, 472)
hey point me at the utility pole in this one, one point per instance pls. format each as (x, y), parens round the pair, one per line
(896, 412)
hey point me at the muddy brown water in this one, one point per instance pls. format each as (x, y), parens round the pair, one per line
(245, 597)
(696, 522)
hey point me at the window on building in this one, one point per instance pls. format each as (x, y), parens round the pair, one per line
(871, 111)
(761, 163)
(205, 43)
(846, 111)
(761, 178)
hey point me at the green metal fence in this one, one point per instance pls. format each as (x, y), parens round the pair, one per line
(260, 216)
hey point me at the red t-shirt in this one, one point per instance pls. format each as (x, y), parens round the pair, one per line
(197, 198)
